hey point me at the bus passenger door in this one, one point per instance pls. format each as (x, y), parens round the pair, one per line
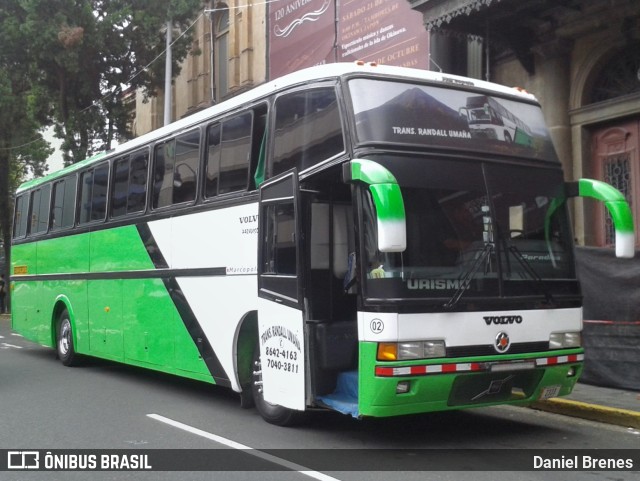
(281, 338)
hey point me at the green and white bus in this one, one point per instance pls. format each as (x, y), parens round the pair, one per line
(334, 239)
(488, 118)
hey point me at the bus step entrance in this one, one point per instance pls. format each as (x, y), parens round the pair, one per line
(345, 398)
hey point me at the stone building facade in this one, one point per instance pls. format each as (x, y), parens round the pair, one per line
(228, 57)
(581, 58)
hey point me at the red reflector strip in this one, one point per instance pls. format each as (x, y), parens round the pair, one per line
(552, 361)
(382, 371)
(428, 369)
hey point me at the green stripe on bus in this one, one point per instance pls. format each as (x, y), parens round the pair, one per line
(384, 187)
(613, 199)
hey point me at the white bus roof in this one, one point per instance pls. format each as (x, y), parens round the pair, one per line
(326, 71)
(320, 72)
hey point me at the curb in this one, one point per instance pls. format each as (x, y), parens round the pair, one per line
(592, 412)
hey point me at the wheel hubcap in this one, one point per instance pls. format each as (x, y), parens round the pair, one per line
(65, 337)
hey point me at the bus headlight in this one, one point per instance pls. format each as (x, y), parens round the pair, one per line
(403, 351)
(563, 340)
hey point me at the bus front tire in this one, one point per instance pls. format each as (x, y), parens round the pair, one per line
(64, 340)
(272, 413)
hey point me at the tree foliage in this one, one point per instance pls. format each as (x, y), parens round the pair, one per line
(22, 148)
(66, 63)
(88, 51)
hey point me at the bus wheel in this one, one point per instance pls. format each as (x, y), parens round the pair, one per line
(64, 340)
(507, 137)
(272, 413)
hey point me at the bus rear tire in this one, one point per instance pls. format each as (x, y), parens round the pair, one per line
(272, 413)
(64, 340)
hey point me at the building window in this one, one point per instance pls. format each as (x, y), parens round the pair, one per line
(619, 76)
(220, 28)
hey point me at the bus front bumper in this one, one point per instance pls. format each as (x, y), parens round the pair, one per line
(400, 388)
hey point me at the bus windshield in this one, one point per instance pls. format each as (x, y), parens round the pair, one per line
(474, 230)
(408, 114)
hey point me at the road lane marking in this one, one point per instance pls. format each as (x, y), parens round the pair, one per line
(249, 450)
(6, 344)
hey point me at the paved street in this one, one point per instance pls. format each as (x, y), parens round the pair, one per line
(102, 405)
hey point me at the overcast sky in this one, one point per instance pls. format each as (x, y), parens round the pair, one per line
(54, 162)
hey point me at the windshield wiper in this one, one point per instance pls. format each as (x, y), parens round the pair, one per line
(538, 283)
(465, 280)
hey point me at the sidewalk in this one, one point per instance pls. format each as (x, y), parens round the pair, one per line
(607, 405)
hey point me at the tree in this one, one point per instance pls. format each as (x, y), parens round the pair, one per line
(66, 62)
(21, 145)
(88, 51)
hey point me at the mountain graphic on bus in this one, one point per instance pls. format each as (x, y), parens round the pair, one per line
(489, 119)
(413, 107)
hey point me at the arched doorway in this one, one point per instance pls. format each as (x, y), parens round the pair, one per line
(616, 144)
(615, 160)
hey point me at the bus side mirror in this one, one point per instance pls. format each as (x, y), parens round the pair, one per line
(617, 206)
(387, 199)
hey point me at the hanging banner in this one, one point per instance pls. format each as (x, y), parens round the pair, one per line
(301, 34)
(304, 33)
(383, 31)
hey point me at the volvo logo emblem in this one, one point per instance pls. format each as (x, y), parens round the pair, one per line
(497, 320)
(502, 342)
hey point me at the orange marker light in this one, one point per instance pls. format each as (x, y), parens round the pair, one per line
(387, 351)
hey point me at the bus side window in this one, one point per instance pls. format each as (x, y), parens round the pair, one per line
(129, 184)
(163, 174)
(212, 161)
(258, 147)
(40, 210)
(185, 177)
(234, 156)
(175, 171)
(279, 239)
(86, 185)
(63, 203)
(20, 216)
(120, 186)
(235, 148)
(307, 129)
(137, 192)
(93, 194)
(99, 193)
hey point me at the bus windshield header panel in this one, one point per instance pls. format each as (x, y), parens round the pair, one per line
(428, 116)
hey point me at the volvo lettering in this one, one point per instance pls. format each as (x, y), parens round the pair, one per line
(502, 320)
